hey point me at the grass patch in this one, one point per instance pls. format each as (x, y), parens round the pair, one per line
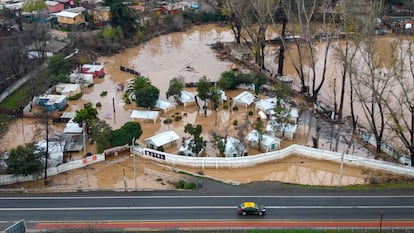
(17, 98)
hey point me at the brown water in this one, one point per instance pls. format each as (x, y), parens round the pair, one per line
(187, 55)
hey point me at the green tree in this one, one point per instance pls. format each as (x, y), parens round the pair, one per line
(88, 114)
(175, 88)
(33, 5)
(203, 89)
(136, 84)
(259, 126)
(101, 133)
(123, 16)
(147, 97)
(259, 81)
(197, 144)
(58, 68)
(25, 160)
(125, 134)
(227, 80)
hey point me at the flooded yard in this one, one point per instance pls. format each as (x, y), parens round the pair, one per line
(188, 55)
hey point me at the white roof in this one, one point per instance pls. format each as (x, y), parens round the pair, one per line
(294, 113)
(288, 128)
(72, 128)
(67, 86)
(266, 104)
(267, 139)
(145, 114)
(163, 138)
(187, 97)
(53, 98)
(231, 146)
(67, 14)
(245, 97)
(68, 115)
(92, 68)
(163, 104)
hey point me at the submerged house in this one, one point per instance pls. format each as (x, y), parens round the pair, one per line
(163, 139)
(233, 147)
(267, 142)
(96, 70)
(164, 105)
(68, 89)
(287, 131)
(245, 98)
(186, 98)
(266, 105)
(53, 102)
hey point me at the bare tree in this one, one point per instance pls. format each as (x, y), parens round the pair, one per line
(255, 22)
(400, 102)
(231, 9)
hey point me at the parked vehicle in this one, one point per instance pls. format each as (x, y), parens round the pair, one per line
(251, 208)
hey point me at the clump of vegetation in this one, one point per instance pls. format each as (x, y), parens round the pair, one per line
(178, 118)
(159, 179)
(101, 76)
(225, 106)
(235, 122)
(235, 108)
(104, 93)
(250, 113)
(167, 121)
(182, 184)
(98, 104)
(75, 97)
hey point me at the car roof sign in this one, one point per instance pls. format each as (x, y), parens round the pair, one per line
(249, 204)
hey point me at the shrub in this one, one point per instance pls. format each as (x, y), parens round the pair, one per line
(101, 76)
(235, 122)
(98, 104)
(178, 118)
(167, 121)
(235, 108)
(182, 184)
(104, 93)
(225, 106)
(75, 97)
(250, 113)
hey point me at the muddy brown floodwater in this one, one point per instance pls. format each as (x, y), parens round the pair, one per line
(188, 55)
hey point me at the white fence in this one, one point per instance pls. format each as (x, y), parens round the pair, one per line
(11, 179)
(249, 161)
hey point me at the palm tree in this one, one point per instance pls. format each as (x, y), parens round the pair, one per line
(137, 84)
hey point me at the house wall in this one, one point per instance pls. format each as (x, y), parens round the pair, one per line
(72, 21)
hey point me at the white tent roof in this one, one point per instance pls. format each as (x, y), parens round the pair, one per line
(187, 97)
(163, 138)
(287, 128)
(164, 105)
(245, 97)
(72, 128)
(231, 146)
(266, 104)
(145, 114)
(267, 140)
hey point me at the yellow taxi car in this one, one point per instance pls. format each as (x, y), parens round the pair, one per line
(251, 208)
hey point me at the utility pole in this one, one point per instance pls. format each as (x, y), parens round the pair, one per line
(47, 145)
(135, 169)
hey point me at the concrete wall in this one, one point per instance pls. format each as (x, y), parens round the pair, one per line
(249, 161)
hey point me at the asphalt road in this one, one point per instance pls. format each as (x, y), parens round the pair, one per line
(213, 205)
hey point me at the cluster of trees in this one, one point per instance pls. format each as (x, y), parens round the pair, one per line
(379, 84)
(101, 133)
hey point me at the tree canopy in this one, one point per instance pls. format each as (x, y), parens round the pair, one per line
(25, 160)
(125, 134)
(58, 68)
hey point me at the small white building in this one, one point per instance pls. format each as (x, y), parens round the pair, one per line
(164, 139)
(84, 80)
(145, 114)
(68, 89)
(55, 149)
(164, 105)
(186, 98)
(233, 147)
(287, 131)
(266, 105)
(245, 98)
(267, 143)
